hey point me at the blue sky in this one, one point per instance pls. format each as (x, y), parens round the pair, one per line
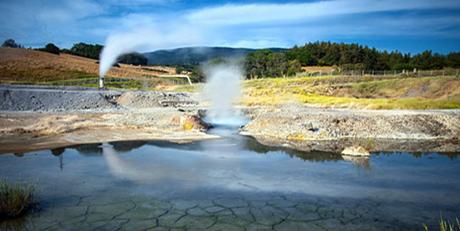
(405, 25)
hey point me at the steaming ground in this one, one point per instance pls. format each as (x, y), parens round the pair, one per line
(35, 118)
(222, 90)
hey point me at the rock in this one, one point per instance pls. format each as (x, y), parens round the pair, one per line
(191, 122)
(355, 151)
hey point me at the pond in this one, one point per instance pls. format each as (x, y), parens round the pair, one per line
(232, 183)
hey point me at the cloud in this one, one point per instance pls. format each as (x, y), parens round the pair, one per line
(131, 3)
(258, 13)
(256, 25)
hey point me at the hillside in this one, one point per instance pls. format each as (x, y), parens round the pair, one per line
(25, 65)
(195, 55)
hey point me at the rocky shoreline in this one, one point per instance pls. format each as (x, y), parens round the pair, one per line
(319, 129)
(34, 118)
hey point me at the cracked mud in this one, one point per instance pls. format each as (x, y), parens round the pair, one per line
(220, 213)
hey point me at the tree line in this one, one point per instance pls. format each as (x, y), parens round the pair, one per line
(266, 63)
(355, 56)
(93, 51)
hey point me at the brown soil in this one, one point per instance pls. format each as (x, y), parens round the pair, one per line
(37, 66)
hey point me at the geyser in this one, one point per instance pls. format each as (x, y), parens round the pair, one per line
(222, 90)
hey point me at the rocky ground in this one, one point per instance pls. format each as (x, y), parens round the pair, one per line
(48, 117)
(308, 129)
(45, 117)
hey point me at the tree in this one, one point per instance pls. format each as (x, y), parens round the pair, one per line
(180, 69)
(293, 67)
(197, 74)
(11, 43)
(50, 48)
(428, 60)
(86, 50)
(267, 63)
(133, 58)
(453, 60)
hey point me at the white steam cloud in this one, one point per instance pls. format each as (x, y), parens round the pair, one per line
(222, 90)
(143, 39)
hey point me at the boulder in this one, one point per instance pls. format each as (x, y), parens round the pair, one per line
(355, 151)
(190, 122)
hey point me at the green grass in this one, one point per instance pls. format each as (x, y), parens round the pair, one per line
(379, 103)
(356, 92)
(445, 225)
(188, 88)
(351, 92)
(40, 76)
(15, 199)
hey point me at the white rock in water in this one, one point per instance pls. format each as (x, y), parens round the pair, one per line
(355, 151)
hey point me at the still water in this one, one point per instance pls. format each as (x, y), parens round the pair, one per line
(231, 184)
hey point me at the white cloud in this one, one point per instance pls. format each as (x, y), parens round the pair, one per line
(36, 22)
(232, 14)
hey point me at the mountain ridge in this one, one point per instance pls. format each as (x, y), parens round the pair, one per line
(196, 55)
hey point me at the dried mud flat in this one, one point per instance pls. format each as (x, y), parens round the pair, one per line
(42, 117)
(216, 212)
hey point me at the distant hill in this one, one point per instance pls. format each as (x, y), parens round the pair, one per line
(196, 55)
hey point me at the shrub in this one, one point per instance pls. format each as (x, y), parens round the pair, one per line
(51, 48)
(15, 199)
(11, 43)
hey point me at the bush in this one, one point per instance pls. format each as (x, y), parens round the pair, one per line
(50, 48)
(15, 199)
(11, 43)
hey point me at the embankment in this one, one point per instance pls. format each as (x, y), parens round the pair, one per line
(307, 128)
(42, 117)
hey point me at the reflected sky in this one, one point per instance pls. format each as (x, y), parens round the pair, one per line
(231, 164)
(241, 164)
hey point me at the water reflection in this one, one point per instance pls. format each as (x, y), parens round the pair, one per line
(19, 154)
(359, 161)
(88, 149)
(57, 151)
(228, 163)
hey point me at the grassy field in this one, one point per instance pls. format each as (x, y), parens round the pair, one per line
(352, 92)
(37, 67)
(357, 92)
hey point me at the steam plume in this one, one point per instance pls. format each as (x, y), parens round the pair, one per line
(222, 89)
(141, 40)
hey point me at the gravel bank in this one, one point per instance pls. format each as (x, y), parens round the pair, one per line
(69, 99)
(43, 117)
(334, 129)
